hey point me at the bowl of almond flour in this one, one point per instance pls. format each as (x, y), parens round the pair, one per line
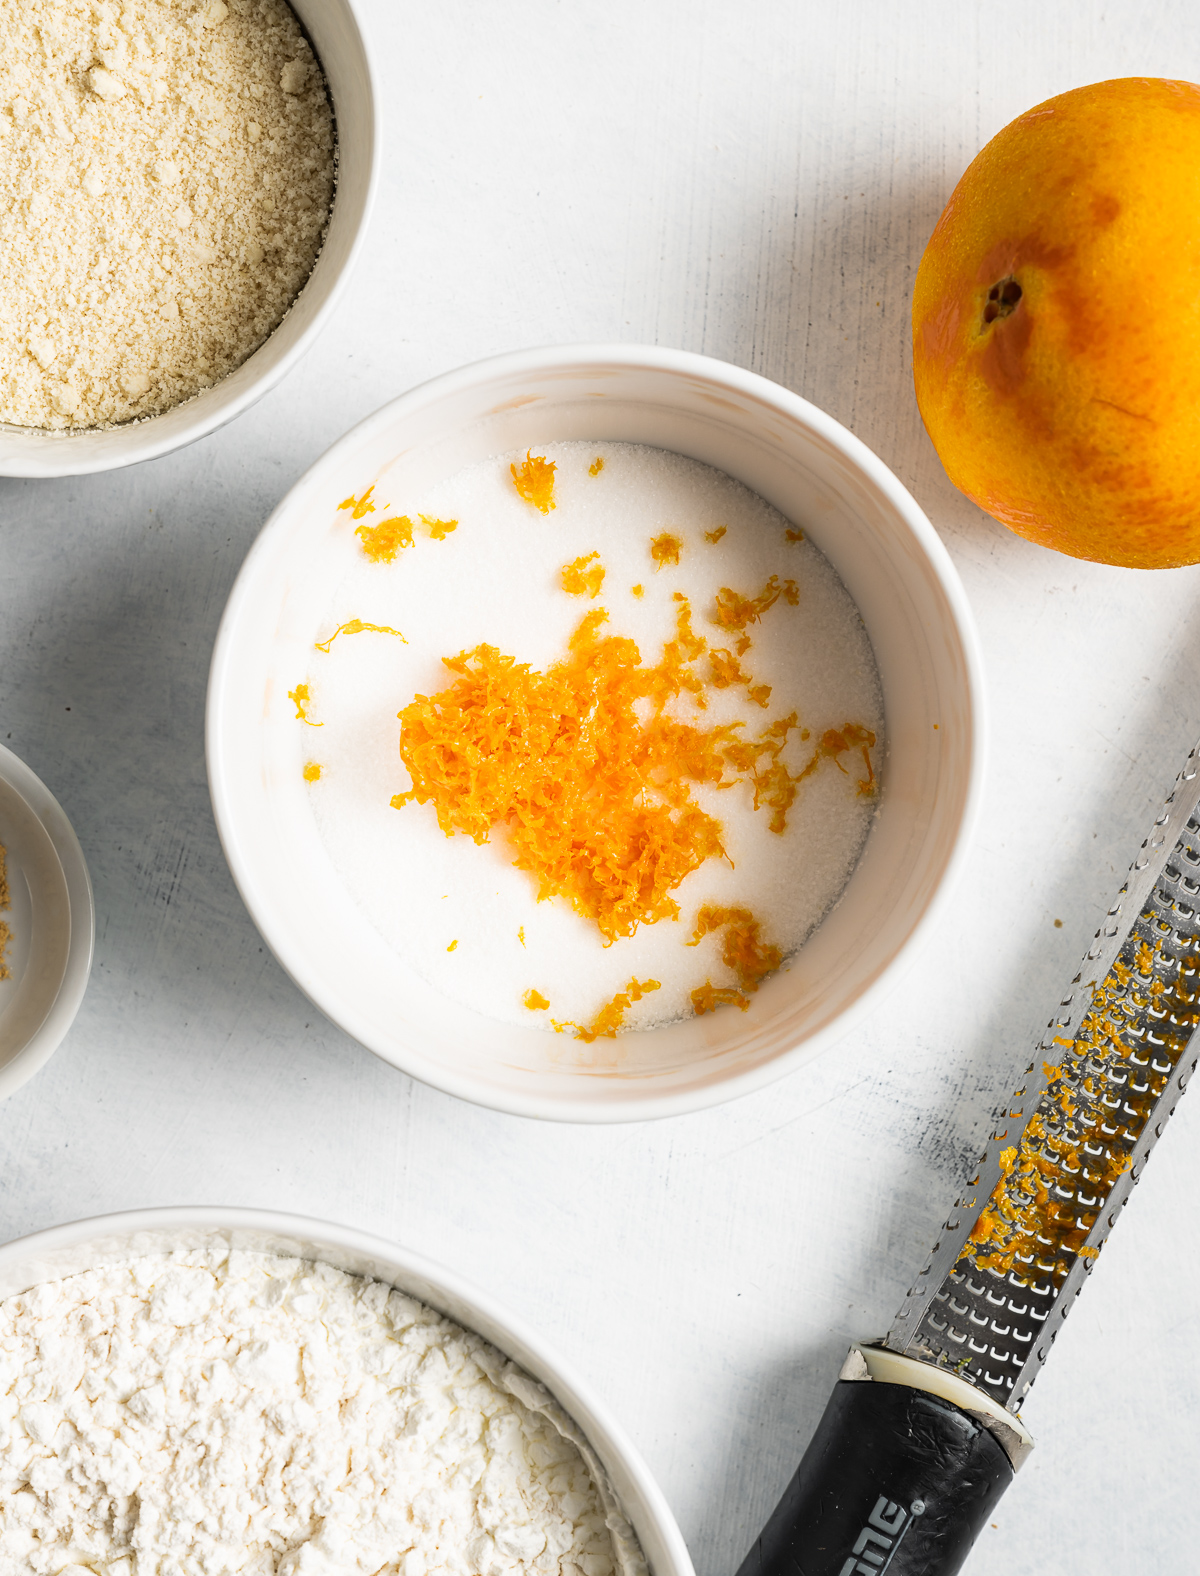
(237, 1391)
(187, 186)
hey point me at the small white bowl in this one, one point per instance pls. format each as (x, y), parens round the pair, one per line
(816, 474)
(113, 1239)
(52, 919)
(333, 29)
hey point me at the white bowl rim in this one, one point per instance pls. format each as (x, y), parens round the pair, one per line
(549, 359)
(51, 1032)
(565, 1384)
(60, 461)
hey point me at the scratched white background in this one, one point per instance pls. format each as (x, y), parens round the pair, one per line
(755, 182)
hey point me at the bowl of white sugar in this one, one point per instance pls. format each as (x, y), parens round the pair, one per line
(189, 183)
(595, 732)
(254, 1392)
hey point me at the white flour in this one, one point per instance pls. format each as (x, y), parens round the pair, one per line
(497, 578)
(198, 1414)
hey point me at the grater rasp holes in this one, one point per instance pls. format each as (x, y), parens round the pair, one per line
(1109, 1090)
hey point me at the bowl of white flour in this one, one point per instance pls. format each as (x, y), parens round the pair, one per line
(189, 183)
(238, 1391)
(595, 733)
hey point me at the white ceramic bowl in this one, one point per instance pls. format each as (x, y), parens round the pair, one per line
(816, 474)
(337, 39)
(109, 1239)
(52, 919)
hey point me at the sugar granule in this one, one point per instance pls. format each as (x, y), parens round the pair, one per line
(169, 174)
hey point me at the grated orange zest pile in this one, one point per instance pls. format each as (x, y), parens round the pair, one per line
(439, 530)
(535, 1001)
(665, 549)
(715, 535)
(596, 801)
(312, 771)
(356, 626)
(735, 611)
(580, 580)
(382, 542)
(360, 506)
(588, 772)
(611, 1016)
(596, 466)
(534, 481)
(302, 700)
(744, 952)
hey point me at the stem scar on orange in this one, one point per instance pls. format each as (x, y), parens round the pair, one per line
(1056, 325)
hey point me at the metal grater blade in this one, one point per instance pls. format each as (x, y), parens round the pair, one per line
(1015, 1252)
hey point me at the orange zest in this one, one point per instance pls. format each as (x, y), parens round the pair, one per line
(312, 771)
(836, 742)
(595, 800)
(578, 579)
(1055, 1181)
(725, 671)
(357, 627)
(611, 1016)
(665, 549)
(588, 773)
(382, 542)
(744, 952)
(360, 506)
(774, 785)
(535, 1001)
(734, 611)
(793, 536)
(596, 466)
(715, 535)
(534, 481)
(439, 530)
(302, 700)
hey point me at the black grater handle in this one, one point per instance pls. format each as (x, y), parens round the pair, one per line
(896, 1482)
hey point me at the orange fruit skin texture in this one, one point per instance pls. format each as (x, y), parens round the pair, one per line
(1075, 417)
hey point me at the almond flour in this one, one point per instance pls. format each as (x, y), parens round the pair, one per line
(167, 178)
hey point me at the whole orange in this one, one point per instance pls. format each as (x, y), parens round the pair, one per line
(1056, 325)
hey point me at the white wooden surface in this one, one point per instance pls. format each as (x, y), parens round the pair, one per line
(755, 182)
